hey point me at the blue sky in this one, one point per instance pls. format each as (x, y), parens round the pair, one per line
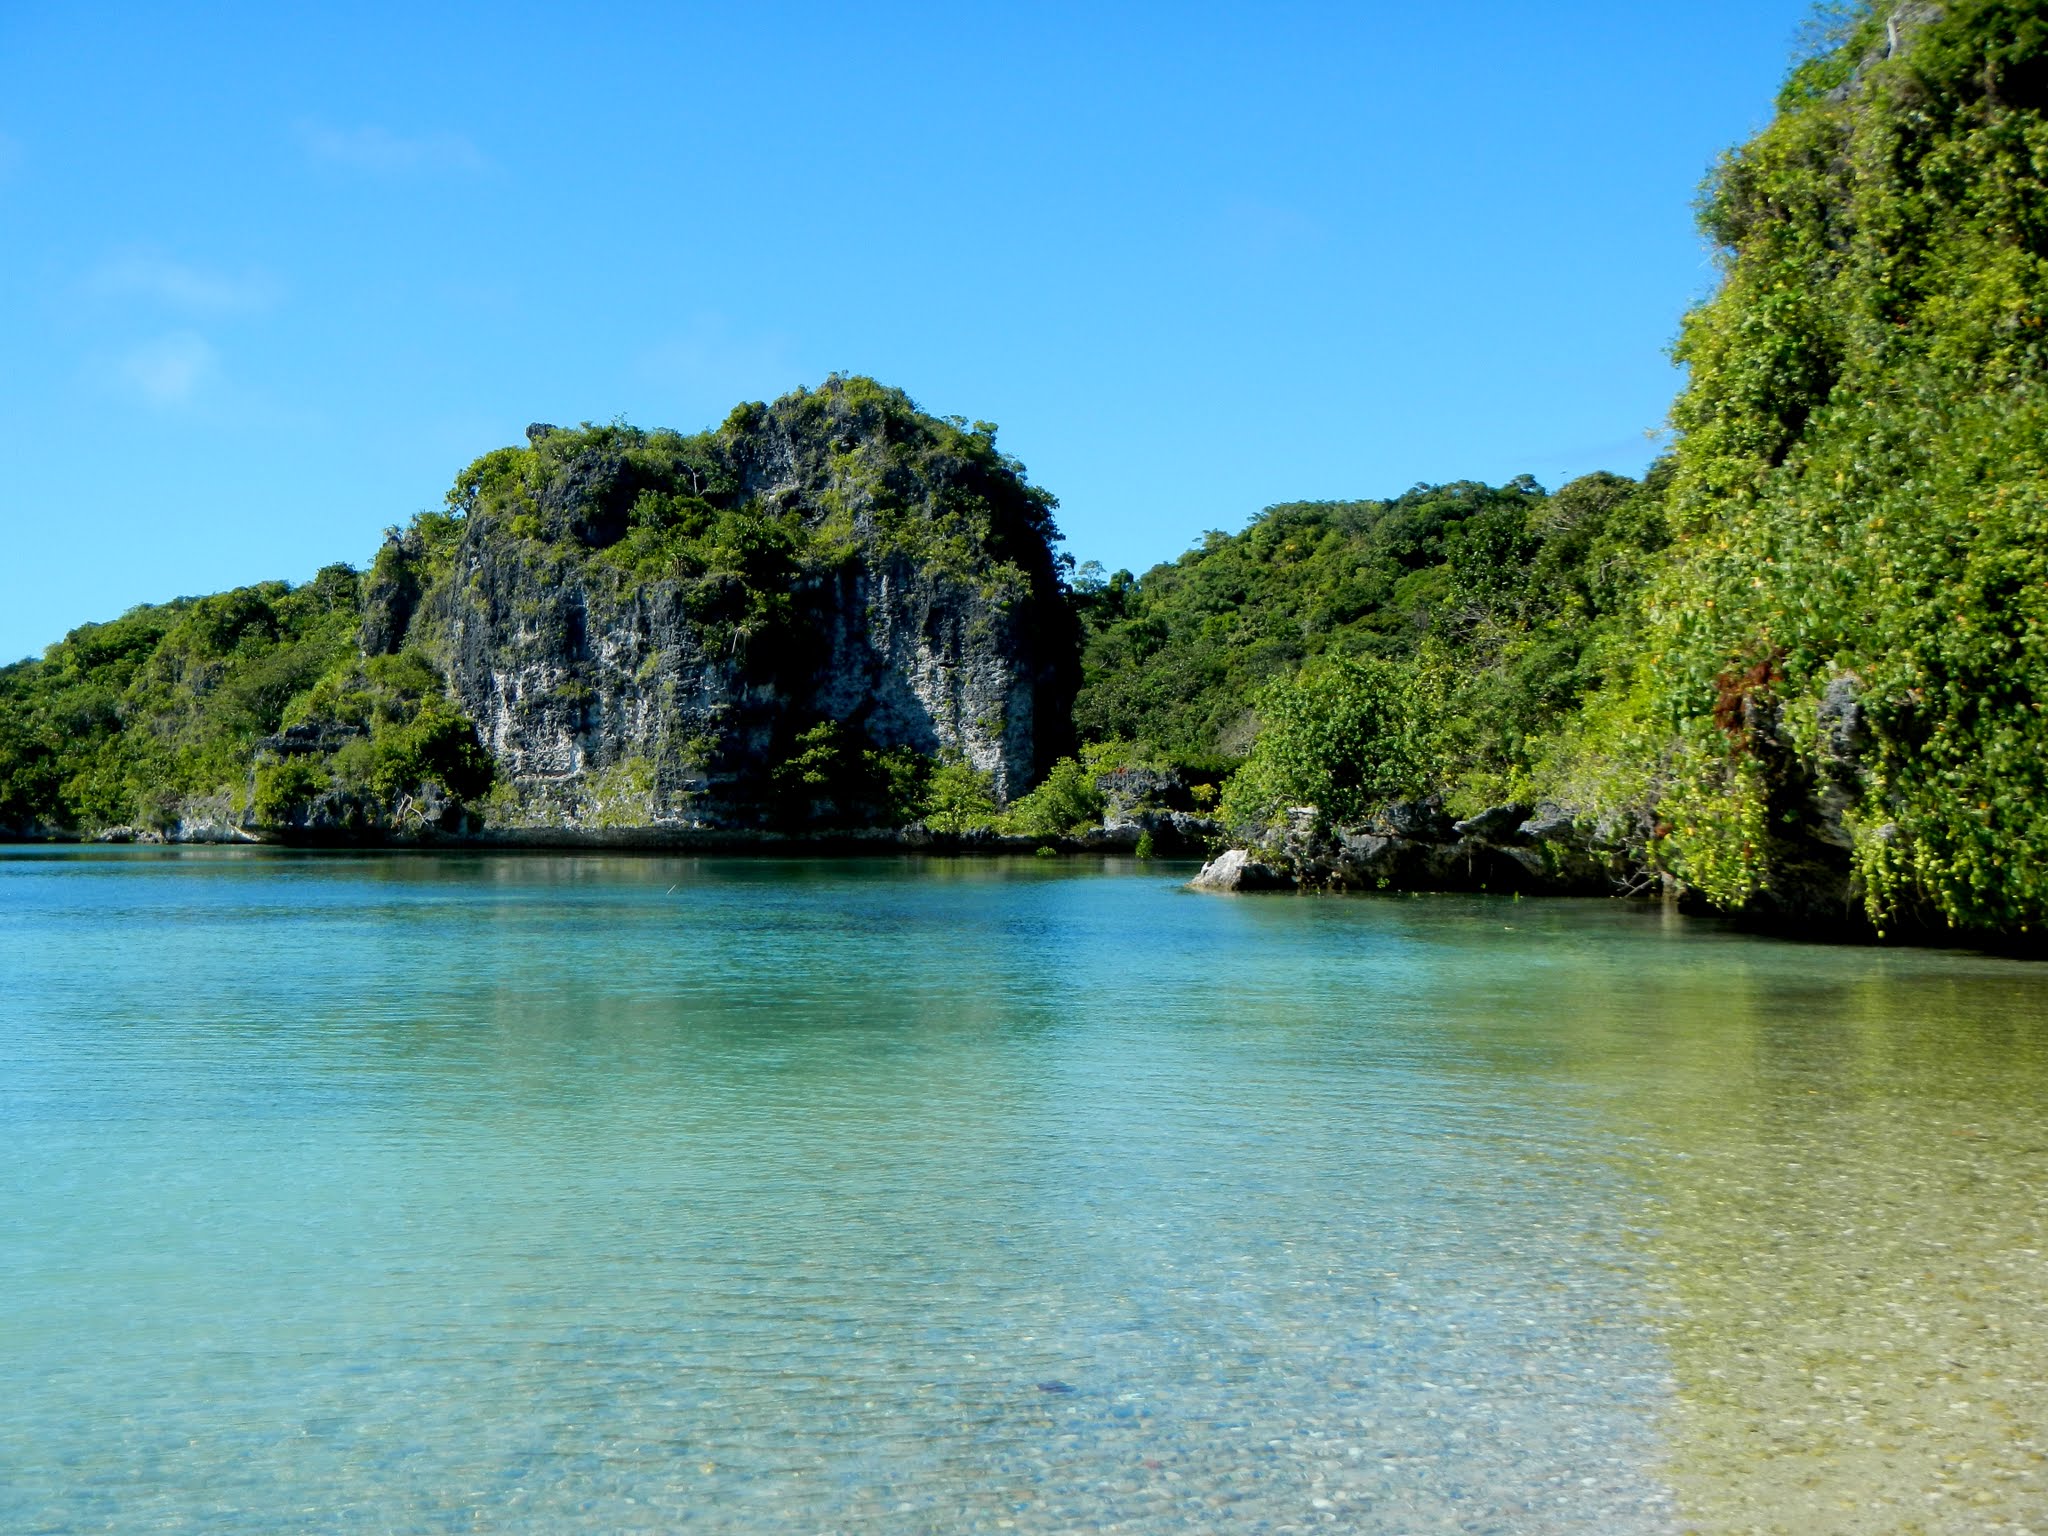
(269, 276)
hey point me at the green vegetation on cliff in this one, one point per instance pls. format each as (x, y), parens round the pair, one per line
(1804, 666)
(1848, 647)
(740, 516)
(803, 618)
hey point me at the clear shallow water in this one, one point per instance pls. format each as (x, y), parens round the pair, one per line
(534, 1194)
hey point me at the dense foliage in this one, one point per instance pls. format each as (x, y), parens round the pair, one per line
(1859, 489)
(120, 722)
(1497, 601)
(1347, 735)
(662, 505)
(1839, 664)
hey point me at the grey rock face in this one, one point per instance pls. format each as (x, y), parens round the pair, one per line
(567, 677)
(1173, 832)
(126, 834)
(932, 664)
(208, 819)
(1838, 776)
(1424, 819)
(1549, 824)
(1237, 870)
(210, 830)
(391, 595)
(1128, 791)
(1487, 852)
(921, 610)
(1496, 824)
(563, 680)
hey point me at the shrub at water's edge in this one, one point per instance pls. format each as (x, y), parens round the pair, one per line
(1345, 737)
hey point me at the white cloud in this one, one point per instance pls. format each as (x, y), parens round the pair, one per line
(168, 371)
(379, 150)
(145, 274)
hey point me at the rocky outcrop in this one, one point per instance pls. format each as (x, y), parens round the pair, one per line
(1495, 824)
(391, 593)
(202, 819)
(1173, 833)
(1414, 846)
(905, 593)
(1130, 791)
(570, 675)
(1237, 870)
(1159, 803)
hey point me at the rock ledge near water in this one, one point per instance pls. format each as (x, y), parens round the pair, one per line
(1414, 846)
(1237, 870)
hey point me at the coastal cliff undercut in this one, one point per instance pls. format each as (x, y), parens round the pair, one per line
(793, 623)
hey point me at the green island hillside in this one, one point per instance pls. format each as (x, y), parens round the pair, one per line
(1844, 664)
(1798, 671)
(1809, 678)
(833, 611)
(1494, 603)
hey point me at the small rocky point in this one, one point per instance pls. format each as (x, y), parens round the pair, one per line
(1414, 846)
(1237, 870)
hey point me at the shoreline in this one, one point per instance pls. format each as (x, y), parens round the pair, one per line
(771, 847)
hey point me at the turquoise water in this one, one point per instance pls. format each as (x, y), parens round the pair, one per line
(563, 1194)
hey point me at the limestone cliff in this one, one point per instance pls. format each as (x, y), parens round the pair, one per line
(651, 629)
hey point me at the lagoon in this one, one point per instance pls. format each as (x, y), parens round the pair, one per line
(525, 1193)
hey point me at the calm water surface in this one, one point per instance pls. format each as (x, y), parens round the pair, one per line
(533, 1194)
